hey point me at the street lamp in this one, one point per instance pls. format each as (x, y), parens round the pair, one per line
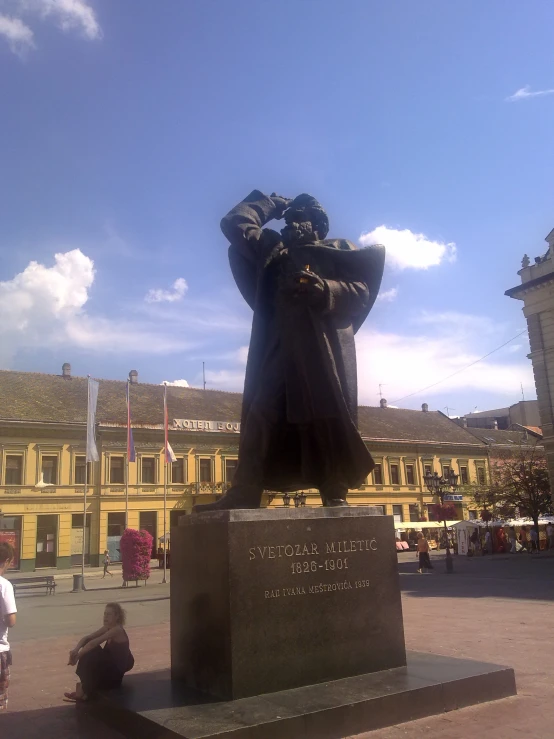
(441, 486)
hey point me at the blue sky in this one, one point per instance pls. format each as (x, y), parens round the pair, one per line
(130, 128)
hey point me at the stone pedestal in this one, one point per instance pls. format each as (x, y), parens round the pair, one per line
(270, 600)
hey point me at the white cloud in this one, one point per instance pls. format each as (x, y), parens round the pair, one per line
(524, 93)
(433, 353)
(176, 383)
(408, 250)
(19, 36)
(387, 296)
(68, 15)
(45, 306)
(179, 288)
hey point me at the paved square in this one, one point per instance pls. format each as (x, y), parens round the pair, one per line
(495, 609)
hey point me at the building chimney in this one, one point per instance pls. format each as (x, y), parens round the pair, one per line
(464, 422)
(383, 403)
(133, 377)
(425, 407)
(66, 370)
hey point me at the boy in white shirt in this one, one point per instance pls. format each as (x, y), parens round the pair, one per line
(7, 619)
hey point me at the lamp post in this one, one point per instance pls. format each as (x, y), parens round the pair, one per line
(441, 486)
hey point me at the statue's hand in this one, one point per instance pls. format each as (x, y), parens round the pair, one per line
(281, 204)
(307, 288)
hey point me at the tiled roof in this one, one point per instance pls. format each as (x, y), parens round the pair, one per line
(30, 396)
(408, 425)
(500, 437)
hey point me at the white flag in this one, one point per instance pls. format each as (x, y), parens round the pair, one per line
(170, 455)
(92, 451)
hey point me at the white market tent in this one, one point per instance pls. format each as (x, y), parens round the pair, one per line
(419, 525)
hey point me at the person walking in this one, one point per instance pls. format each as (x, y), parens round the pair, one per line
(102, 668)
(107, 562)
(523, 539)
(550, 535)
(512, 538)
(423, 554)
(7, 620)
(488, 542)
(534, 540)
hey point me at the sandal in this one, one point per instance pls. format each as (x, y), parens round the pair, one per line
(70, 697)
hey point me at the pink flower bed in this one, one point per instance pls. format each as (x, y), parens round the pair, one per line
(136, 549)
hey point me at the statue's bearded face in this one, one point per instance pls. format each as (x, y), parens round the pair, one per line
(299, 229)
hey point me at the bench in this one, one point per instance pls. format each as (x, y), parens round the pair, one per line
(29, 583)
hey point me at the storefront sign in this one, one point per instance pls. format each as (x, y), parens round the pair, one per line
(187, 424)
(454, 498)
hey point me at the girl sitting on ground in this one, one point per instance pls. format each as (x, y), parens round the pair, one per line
(102, 668)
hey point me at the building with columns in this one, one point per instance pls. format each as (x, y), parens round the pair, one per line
(42, 462)
(537, 293)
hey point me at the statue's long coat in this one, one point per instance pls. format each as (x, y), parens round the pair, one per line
(309, 351)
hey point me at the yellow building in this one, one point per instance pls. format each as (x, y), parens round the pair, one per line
(42, 462)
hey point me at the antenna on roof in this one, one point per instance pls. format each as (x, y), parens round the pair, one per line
(448, 409)
(204, 374)
(381, 385)
(522, 394)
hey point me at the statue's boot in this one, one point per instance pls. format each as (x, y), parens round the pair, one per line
(333, 494)
(237, 497)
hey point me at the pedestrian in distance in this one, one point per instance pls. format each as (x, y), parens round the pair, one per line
(512, 538)
(488, 542)
(107, 562)
(7, 620)
(102, 668)
(550, 535)
(523, 539)
(534, 540)
(423, 554)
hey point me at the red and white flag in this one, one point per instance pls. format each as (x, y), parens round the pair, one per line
(169, 455)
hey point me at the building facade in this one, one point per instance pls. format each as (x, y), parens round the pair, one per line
(43, 470)
(537, 293)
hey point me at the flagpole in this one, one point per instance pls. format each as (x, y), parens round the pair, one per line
(84, 526)
(127, 466)
(165, 507)
(91, 456)
(166, 441)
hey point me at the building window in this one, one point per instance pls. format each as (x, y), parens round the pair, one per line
(481, 479)
(81, 469)
(394, 475)
(378, 475)
(464, 478)
(230, 469)
(178, 472)
(381, 509)
(472, 515)
(410, 477)
(116, 524)
(50, 469)
(14, 469)
(445, 470)
(205, 466)
(148, 470)
(117, 470)
(427, 469)
(397, 513)
(414, 512)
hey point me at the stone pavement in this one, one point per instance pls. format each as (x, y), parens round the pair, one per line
(498, 610)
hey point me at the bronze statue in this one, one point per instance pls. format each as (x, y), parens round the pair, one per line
(309, 296)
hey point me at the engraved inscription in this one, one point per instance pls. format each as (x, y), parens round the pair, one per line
(310, 558)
